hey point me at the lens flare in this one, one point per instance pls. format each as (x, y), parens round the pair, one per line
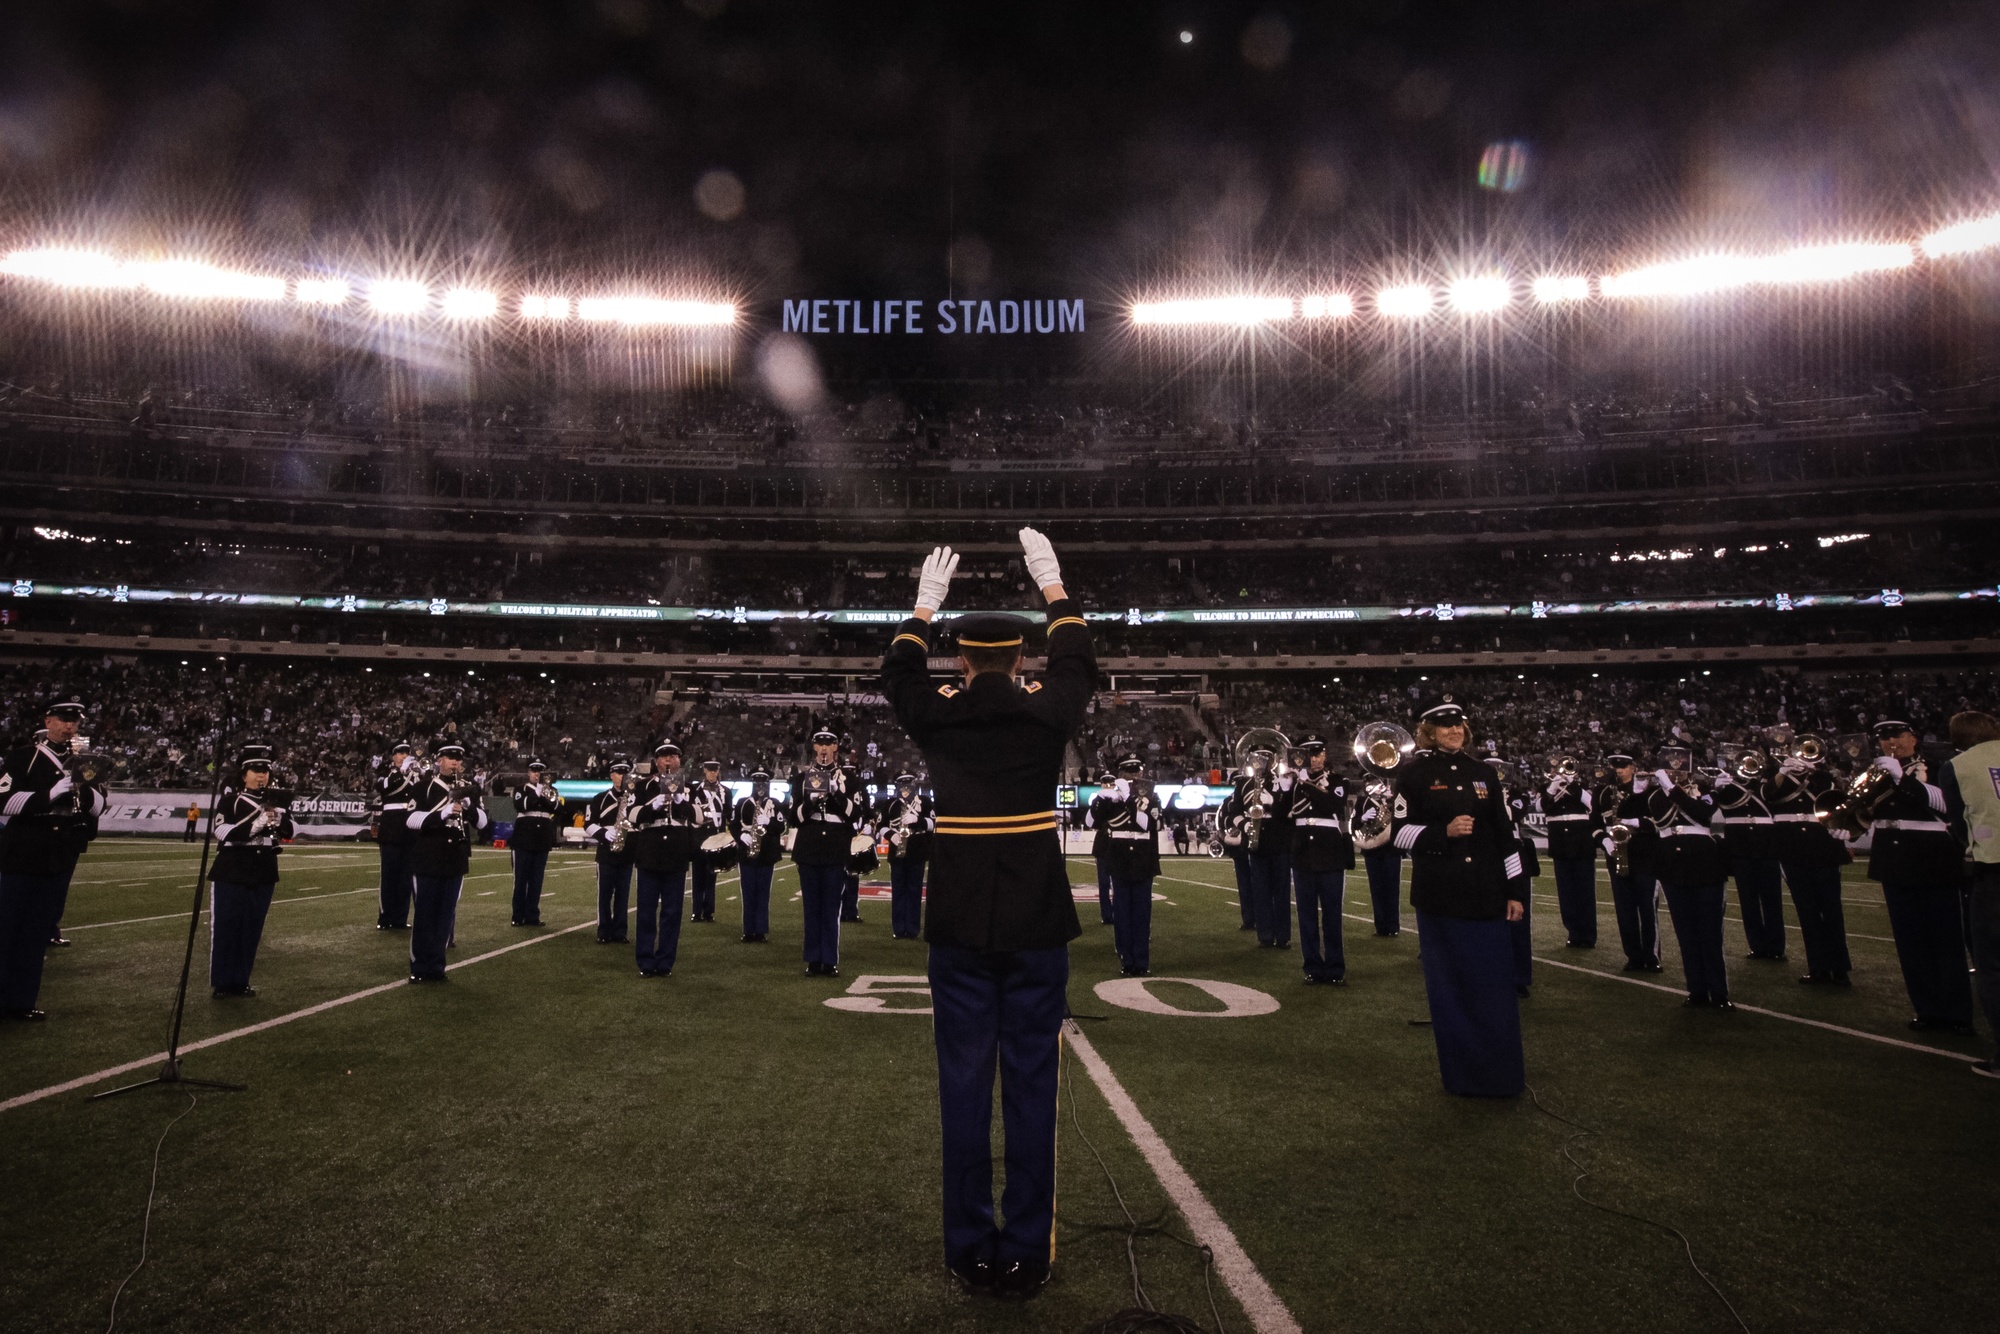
(1242, 310)
(389, 296)
(1477, 296)
(1408, 301)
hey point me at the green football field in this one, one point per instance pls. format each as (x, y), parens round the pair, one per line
(549, 1142)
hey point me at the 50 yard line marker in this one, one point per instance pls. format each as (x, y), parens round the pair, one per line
(1267, 1311)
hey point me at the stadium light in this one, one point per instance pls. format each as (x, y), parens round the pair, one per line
(1553, 289)
(646, 310)
(1479, 296)
(1722, 273)
(544, 307)
(1405, 302)
(387, 296)
(320, 291)
(205, 282)
(1337, 307)
(467, 303)
(1243, 310)
(68, 268)
(1963, 238)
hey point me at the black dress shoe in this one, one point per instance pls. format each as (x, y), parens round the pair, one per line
(1815, 980)
(234, 991)
(812, 970)
(1579, 945)
(646, 972)
(1311, 980)
(1020, 1280)
(59, 939)
(830, 970)
(1245, 927)
(1724, 1004)
(1521, 992)
(975, 1277)
(1697, 1002)
(27, 1016)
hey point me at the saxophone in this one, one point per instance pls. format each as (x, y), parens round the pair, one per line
(622, 827)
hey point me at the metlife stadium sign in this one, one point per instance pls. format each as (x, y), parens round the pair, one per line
(816, 316)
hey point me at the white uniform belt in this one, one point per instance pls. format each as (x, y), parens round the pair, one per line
(1555, 819)
(1630, 824)
(536, 815)
(1317, 822)
(1746, 819)
(395, 805)
(1131, 833)
(1796, 819)
(1927, 826)
(832, 819)
(1691, 830)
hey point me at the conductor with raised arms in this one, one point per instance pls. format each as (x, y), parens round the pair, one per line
(999, 917)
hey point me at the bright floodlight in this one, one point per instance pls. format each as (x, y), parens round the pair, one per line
(392, 297)
(466, 303)
(1721, 273)
(1214, 310)
(1473, 296)
(646, 310)
(205, 282)
(1964, 238)
(1405, 302)
(69, 268)
(544, 307)
(1552, 289)
(321, 291)
(1338, 306)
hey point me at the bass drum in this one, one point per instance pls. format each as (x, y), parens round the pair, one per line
(721, 851)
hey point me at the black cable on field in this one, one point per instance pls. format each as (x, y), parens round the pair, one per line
(146, 1228)
(1142, 1314)
(1576, 1189)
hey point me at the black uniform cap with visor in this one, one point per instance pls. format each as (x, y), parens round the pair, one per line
(536, 764)
(825, 738)
(1618, 759)
(665, 748)
(990, 630)
(1443, 712)
(1130, 760)
(254, 757)
(1888, 727)
(69, 710)
(621, 765)
(452, 752)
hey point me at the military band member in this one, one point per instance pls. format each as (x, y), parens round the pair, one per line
(1522, 928)
(537, 807)
(1971, 784)
(1811, 858)
(759, 825)
(1100, 849)
(1634, 891)
(858, 863)
(1322, 855)
(825, 817)
(1691, 869)
(1452, 821)
(445, 813)
(1129, 816)
(1566, 807)
(1000, 917)
(248, 831)
(393, 840)
(1747, 845)
(1382, 858)
(609, 822)
(663, 847)
(907, 821)
(711, 817)
(1915, 857)
(1270, 862)
(51, 818)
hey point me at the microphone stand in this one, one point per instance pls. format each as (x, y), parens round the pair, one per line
(170, 1073)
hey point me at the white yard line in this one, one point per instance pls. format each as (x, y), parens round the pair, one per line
(167, 917)
(1267, 1311)
(148, 1062)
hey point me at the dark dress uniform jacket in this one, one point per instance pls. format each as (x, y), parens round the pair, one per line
(665, 839)
(918, 845)
(393, 793)
(601, 817)
(241, 856)
(1634, 812)
(827, 823)
(1798, 835)
(1132, 849)
(1517, 806)
(1320, 841)
(1455, 877)
(443, 848)
(994, 748)
(773, 812)
(535, 818)
(1275, 838)
(1687, 853)
(1746, 826)
(1913, 843)
(1573, 828)
(44, 835)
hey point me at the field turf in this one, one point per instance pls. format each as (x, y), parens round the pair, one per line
(549, 1142)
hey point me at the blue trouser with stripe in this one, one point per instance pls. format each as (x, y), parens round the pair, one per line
(1271, 897)
(820, 888)
(1697, 915)
(906, 896)
(1634, 898)
(614, 891)
(398, 883)
(1822, 923)
(1385, 887)
(1010, 1006)
(1104, 892)
(1132, 913)
(757, 899)
(1760, 891)
(30, 908)
(701, 879)
(1576, 898)
(1321, 952)
(530, 865)
(1244, 901)
(430, 923)
(235, 926)
(661, 896)
(1930, 945)
(850, 897)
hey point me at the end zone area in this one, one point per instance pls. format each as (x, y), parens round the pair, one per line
(549, 1140)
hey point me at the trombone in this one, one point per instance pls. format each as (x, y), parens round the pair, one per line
(1260, 757)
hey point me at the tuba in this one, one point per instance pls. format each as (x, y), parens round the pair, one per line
(1380, 748)
(1260, 756)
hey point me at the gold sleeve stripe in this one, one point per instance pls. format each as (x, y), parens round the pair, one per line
(996, 819)
(1047, 825)
(918, 640)
(989, 643)
(1068, 620)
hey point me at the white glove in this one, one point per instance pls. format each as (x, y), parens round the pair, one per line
(745, 838)
(1724, 778)
(1284, 782)
(1041, 557)
(1795, 767)
(1890, 765)
(1266, 799)
(1143, 820)
(1640, 783)
(1664, 779)
(1556, 788)
(939, 567)
(659, 803)
(64, 786)
(1123, 788)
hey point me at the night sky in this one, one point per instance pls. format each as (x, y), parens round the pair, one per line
(791, 149)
